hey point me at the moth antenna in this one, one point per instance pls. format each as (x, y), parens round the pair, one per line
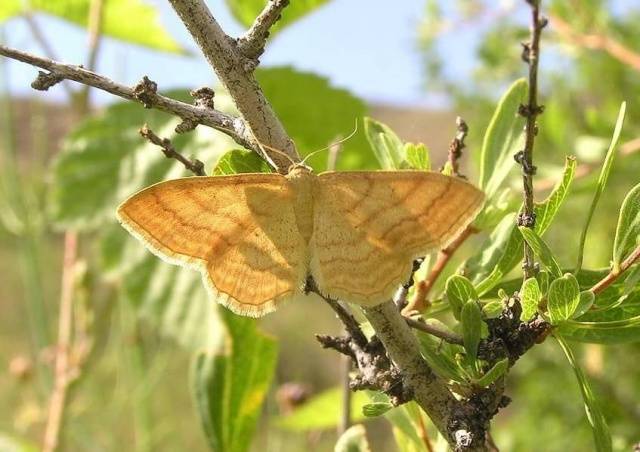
(277, 151)
(355, 130)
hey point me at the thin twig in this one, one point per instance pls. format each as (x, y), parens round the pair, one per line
(63, 372)
(423, 287)
(235, 71)
(195, 166)
(252, 43)
(615, 274)
(234, 127)
(531, 55)
(595, 41)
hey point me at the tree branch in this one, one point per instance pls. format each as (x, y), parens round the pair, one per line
(615, 273)
(531, 55)
(430, 392)
(195, 166)
(252, 43)
(230, 125)
(235, 71)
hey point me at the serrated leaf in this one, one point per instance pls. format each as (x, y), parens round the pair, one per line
(245, 11)
(458, 290)
(376, 409)
(529, 298)
(498, 370)
(563, 298)
(502, 139)
(354, 439)
(541, 250)
(132, 21)
(628, 229)
(546, 210)
(104, 161)
(471, 319)
(386, 145)
(333, 116)
(587, 299)
(229, 383)
(602, 181)
(417, 157)
(238, 161)
(323, 411)
(601, 435)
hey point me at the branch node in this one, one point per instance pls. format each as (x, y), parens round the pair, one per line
(46, 80)
(203, 97)
(187, 125)
(145, 91)
(195, 166)
(528, 220)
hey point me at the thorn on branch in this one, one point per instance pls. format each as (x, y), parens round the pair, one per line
(46, 80)
(195, 166)
(145, 91)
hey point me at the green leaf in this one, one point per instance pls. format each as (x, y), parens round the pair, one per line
(407, 421)
(601, 435)
(563, 298)
(497, 371)
(602, 182)
(493, 309)
(471, 319)
(544, 279)
(586, 301)
(387, 146)
(435, 353)
(332, 117)
(417, 157)
(628, 229)
(616, 325)
(502, 139)
(541, 250)
(458, 290)
(376, 409)
(104, 161)
(323, 411)
(132, 21)
(229, 383)
(529, 298)
(547, 209)
(354, 439)
(245, 11)
(238, 161)
(502, 252)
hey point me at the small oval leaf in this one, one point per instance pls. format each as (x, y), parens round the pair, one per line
(471, 318)
(529, 298)
(493, 374)
(376, 408)
(628, 230)
(563, 298)
(458, 290)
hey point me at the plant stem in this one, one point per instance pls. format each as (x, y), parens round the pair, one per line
(614, 274)
(531, 56)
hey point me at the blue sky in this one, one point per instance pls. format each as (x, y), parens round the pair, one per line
(367, 46)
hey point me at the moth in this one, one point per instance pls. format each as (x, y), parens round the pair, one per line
(257, 237)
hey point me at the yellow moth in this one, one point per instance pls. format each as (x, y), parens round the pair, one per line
(257, 237)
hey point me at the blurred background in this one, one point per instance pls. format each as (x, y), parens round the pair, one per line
(414, 65)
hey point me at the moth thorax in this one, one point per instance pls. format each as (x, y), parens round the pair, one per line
(302, 179)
